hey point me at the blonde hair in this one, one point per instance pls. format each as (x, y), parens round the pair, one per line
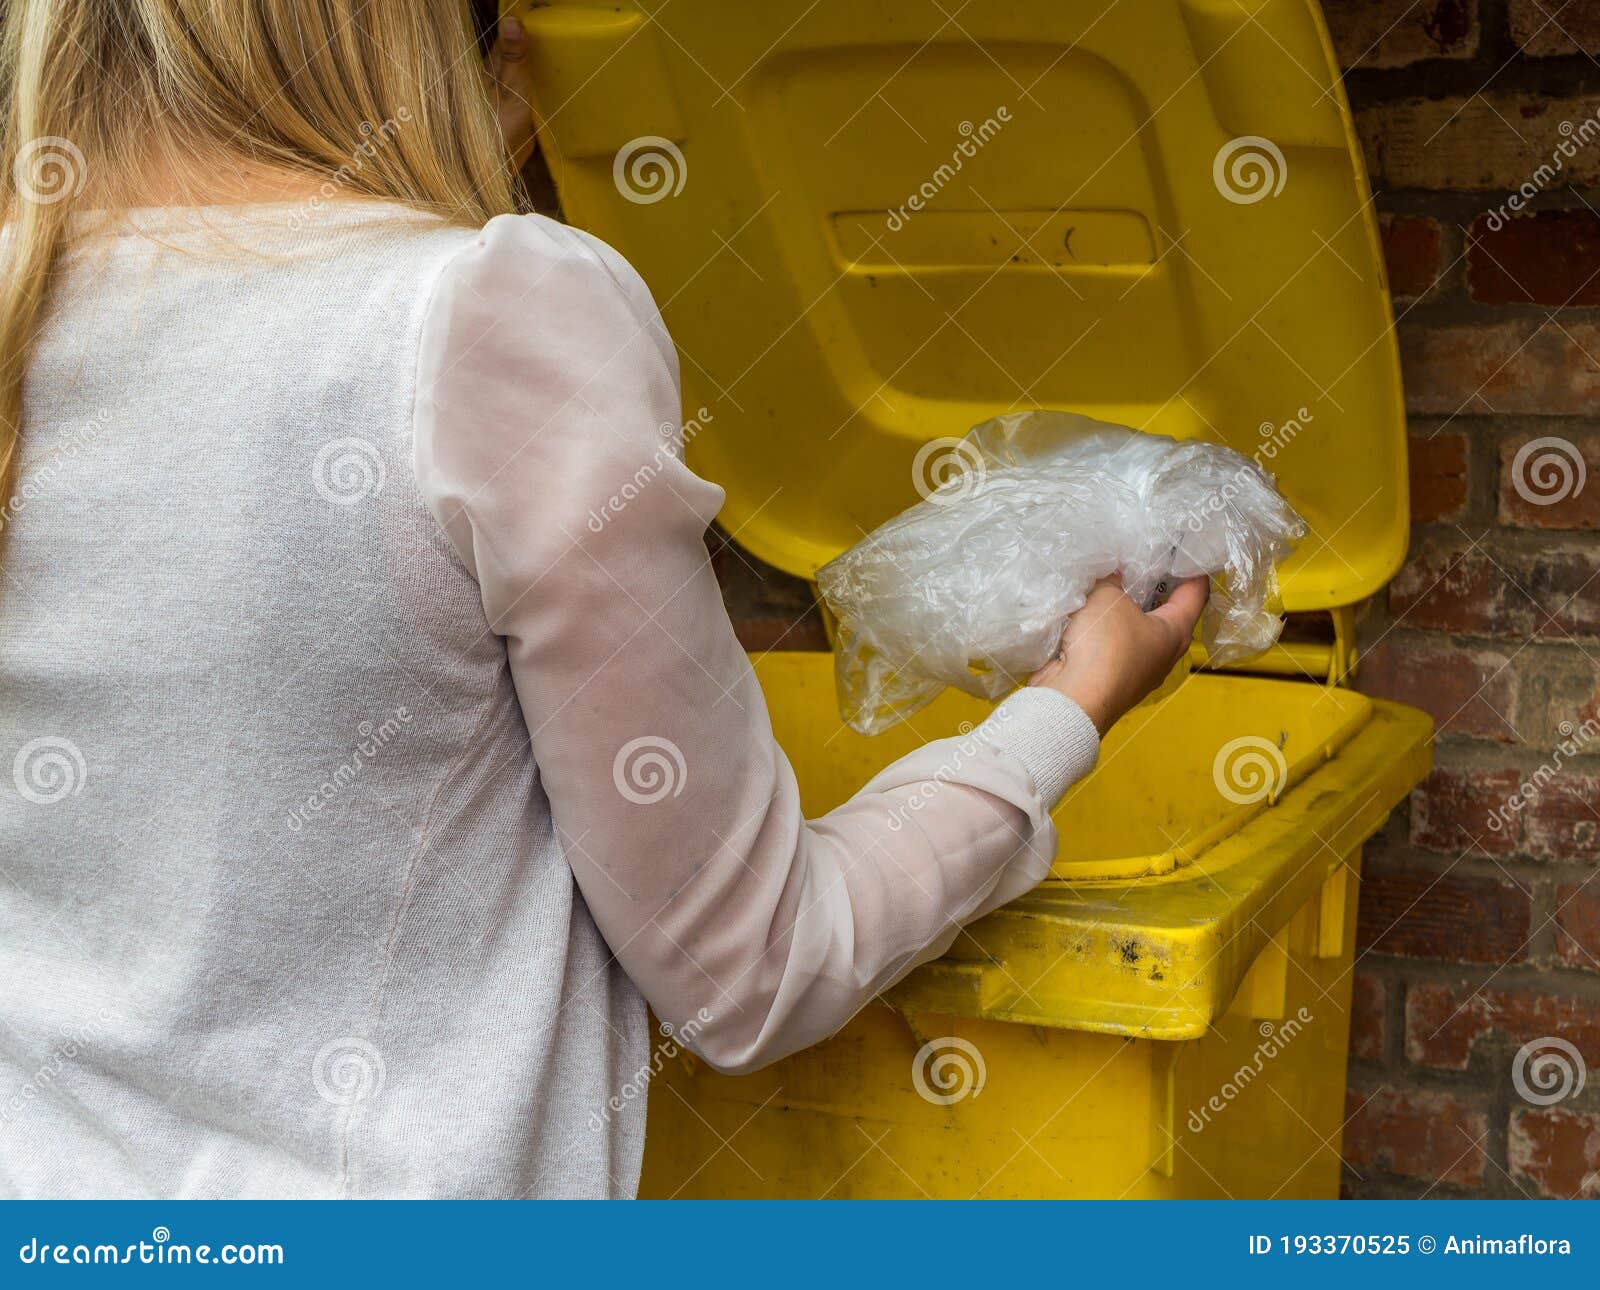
(385, 100)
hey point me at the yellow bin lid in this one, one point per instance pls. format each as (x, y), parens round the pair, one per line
(871, 225)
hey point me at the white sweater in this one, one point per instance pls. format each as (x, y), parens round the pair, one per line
(363, 785)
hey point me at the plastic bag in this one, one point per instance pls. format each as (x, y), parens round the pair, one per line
(973, 586)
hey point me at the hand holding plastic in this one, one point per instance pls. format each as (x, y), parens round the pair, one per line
(973, 586)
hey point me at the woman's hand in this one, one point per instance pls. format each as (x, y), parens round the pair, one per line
(511, 70)
(1113, 653)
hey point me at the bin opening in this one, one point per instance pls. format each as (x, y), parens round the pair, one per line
(1221, 762)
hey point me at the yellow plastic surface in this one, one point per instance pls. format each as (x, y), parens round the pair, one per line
(1084, 256)
(1105, 1014)
(1152, 807)
(1059, 1114)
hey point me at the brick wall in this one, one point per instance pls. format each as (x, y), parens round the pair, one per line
(1478, 940)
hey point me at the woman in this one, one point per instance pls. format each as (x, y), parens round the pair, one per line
(327, 869)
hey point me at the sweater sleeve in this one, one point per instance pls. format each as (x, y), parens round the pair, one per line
(548, 447)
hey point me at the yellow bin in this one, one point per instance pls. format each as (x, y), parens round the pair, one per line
(873, 224)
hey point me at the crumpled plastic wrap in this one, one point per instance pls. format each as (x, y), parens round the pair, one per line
(973, 586)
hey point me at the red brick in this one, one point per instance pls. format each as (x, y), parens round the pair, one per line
(770, 610)
(1416, 1133)
(1444, 916)
(1564, 585)
(1445, 1024)
(1491, 142)
(1367, 1020)
(1560, 818)
(1456, 588)
(1439, 472)
(1555, 484)
(1555, 27)
(1466, 691)
(778, 632)
(1578, 718)
(1551, 258)
(1529, 366)
(1557, 1150)
(1550, 593)
(1397, 33)
(1411, 252)
(1455, 811)
(1578, 924)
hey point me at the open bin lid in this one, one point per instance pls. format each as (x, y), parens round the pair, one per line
(871, 226)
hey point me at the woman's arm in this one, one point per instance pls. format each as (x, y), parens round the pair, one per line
(548, 447)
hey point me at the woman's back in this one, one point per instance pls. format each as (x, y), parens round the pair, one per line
(283, 909)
